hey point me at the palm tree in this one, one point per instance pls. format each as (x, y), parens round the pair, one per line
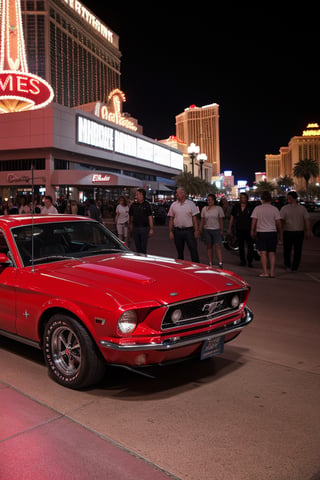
(285, 182)
(306, 169)
(193, 185)
(264, 186)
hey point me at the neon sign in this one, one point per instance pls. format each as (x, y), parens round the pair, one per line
(98, 177)
(113, 110)
(91, 19)
(312, 130)
(23, 91)
(19, 90)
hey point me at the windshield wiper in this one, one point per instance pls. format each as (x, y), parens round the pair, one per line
(50, 257)
(108, 250)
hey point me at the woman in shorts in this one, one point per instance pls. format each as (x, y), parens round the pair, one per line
(211, 226)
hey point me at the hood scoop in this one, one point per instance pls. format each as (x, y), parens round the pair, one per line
(116, 273)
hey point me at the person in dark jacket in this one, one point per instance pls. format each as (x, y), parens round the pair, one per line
(94, 211)
(240, 223)
(141, 221)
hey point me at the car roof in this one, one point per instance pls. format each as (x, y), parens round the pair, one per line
(26, 219)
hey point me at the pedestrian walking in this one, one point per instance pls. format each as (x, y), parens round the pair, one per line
(183, 225)
(295, 223)
(94, 211)
(48, 208)
(122, 219)
(141, 221)
(265, 226)
(24, 206)
(71, 207)
(226, 207)
(211, 227)
(240, 225)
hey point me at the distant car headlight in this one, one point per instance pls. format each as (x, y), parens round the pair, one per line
(235, 301)
(127, 322)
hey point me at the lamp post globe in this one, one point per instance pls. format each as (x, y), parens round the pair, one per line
(193, 151)
(202, 157)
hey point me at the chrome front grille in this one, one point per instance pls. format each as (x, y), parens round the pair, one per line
(203, 309)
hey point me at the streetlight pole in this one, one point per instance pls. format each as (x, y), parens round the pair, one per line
(202, 157)
(193, 151)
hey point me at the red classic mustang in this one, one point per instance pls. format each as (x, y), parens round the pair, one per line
(71, 288)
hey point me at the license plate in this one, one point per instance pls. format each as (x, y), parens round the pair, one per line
(212, 346)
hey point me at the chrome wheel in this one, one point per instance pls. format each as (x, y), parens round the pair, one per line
(66, 351)
(72, 357)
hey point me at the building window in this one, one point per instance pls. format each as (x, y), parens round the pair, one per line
(23, 164)
(80, 67)
(60, 164)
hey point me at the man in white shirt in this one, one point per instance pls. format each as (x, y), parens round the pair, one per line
(266, 224)
(48, 208)
(183, 225)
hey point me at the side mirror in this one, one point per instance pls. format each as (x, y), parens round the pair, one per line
(4, 258)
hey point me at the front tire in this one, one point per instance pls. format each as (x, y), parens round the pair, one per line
(72, 358)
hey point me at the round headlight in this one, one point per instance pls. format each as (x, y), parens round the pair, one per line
(127, 322)
(235, 301)
(176, 316)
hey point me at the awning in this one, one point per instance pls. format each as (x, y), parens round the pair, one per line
(94, 178)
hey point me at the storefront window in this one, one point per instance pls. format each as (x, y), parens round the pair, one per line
(22, 164)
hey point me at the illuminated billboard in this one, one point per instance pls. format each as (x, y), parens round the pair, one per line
(19, 89)
(105, 137)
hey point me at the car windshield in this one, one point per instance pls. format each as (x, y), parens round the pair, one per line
(40, 243)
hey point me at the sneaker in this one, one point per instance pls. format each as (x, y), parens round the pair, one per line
(210, 264)
(220, 265)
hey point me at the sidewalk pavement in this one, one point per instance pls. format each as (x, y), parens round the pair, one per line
(38, 443)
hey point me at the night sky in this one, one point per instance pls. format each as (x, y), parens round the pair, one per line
(260, 64)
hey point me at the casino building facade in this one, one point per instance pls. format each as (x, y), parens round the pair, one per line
(66, 152)
(301, 147)
(81, 145)
(72, 49)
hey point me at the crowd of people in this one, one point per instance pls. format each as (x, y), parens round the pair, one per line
(24, 204)
(257, 229)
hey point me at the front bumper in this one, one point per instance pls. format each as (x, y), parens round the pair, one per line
(178, 342)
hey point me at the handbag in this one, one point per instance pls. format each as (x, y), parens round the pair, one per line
(256, 253)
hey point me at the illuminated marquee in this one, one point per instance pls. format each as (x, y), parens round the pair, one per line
(312, 130)
(91, 19)
(101, 136)
(95, 134)
(113, 111)
(19, 90)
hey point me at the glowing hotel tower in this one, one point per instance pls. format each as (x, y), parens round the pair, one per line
(19, 89)
(200, 125)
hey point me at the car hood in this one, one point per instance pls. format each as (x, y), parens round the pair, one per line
(143, 278)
